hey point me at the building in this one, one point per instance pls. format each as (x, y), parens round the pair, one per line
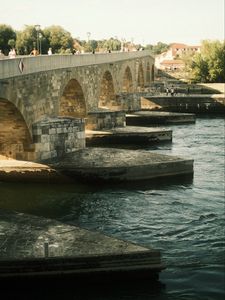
(172, 58)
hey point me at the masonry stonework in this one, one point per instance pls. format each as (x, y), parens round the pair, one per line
(64, 94)
(105, 120)
(56, 136)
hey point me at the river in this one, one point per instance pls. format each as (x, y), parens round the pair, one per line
(182, 218)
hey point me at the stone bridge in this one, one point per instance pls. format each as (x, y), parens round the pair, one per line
(46, 102)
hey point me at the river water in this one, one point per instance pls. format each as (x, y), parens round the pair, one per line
(182, 218)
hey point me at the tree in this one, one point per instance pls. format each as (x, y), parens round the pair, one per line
(58, 39)
(27, 39)
(7, 38)
(12, 43)
(214, 55)
(199, 69)
(112, 44)
(209, 65)
(90, 45)
(158, 48)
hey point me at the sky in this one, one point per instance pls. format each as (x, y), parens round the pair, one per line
(140, 21)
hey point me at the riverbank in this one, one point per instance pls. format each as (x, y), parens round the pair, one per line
(183, 103)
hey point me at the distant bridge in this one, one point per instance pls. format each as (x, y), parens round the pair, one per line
(47, 101)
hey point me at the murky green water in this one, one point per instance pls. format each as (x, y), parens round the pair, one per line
(184, 219)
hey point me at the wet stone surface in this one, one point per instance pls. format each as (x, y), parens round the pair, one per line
(26, 236)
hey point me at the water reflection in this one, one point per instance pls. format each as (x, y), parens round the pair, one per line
(74, 289)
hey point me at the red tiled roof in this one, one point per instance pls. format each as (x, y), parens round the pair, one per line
(177, 45)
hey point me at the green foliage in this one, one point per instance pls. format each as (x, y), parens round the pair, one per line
(7, 38)
(112, 44)
(158, 48)
(12, 43)
(26, 40)
(58, 39)
(209, 65)
(200, 69)
(90, 45)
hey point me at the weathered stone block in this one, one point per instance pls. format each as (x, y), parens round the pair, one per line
(52, 131)
(45, 155)
(45, 138)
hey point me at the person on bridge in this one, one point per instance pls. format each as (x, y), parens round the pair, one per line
(2, 56)
(12, 53)
(50, 51)
(172, 91)
(34, 52)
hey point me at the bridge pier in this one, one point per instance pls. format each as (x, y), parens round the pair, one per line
(105, 119)
(54, 137)
(129, 101)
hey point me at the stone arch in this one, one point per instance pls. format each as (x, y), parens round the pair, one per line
(107, 97)
(127, 81)
(15, 138)
(140, 80)
(72, 102)
(153, 72)
(148, 74)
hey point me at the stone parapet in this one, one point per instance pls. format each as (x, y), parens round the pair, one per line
(33, 64)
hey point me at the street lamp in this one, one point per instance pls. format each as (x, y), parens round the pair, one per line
(38, 27)
(123, 40)
(40, 37)
(88, 36)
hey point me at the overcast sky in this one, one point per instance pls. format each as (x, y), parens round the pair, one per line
(144, 21)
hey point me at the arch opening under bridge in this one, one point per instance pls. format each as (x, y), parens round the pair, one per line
(140, 79)
(15, 138)
(148, 74)
(127, 86)
(107, 97)
(72, 102)
(153, 72)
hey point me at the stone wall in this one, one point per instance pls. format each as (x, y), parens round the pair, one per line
(129, 101)
(185, 104)
(57, 92)
(105, 120)
(55, 89)
(54, 137)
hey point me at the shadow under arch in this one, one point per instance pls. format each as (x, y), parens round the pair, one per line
(127, 81)
(15, 138)
(107, 97)
(148, 74)
(153, 72)
(140, 79)
(72, 102)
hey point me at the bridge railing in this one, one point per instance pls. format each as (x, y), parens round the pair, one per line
(22, 65)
